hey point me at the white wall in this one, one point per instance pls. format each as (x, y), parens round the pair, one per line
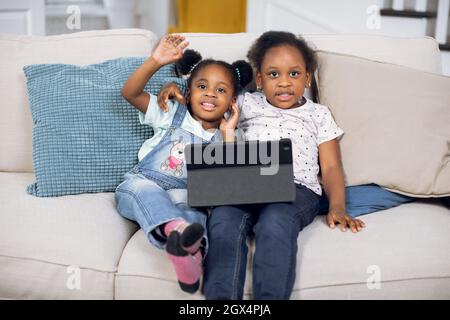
(25, 17)
(328, 16)
(446, 62)
(156, 15)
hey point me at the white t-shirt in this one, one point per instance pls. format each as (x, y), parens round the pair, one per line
(160, 121)
(307, 126)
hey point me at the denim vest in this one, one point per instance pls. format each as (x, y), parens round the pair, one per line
(165, 163)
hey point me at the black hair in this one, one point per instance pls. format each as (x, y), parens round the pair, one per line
(272, 39)
(191, 63)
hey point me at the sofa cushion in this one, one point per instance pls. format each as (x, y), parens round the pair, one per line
(396, 124)
(81, 48)
(408, 252)
(412, 259)
(41, 237)
(426, 57)
(86, 136)
(143, 268)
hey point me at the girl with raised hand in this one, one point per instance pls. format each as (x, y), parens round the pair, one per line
(153, 193)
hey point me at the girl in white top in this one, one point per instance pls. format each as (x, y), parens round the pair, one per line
(153, 193)
(284, 66)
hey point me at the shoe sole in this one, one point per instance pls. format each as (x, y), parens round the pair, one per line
(192, 234)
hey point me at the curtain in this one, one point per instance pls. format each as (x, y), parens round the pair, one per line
(216, 16)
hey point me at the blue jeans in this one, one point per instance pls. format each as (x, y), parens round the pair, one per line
(142, 200)
(276, 227)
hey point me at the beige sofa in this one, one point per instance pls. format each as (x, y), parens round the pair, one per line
(78, 247)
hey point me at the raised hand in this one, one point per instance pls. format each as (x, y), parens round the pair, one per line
(169, 49)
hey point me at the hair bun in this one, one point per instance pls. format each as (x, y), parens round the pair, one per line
(244, 72)
(190, 58)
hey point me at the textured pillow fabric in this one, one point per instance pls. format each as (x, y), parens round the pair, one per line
(360, 200)
(396, 122)
(79, 48)
(85, 135)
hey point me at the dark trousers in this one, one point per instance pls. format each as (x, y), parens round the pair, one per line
(275, 227)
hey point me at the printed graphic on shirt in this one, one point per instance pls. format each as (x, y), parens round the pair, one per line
(307, 126)
(174, 163)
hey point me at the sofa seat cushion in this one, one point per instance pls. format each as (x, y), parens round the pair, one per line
(405, 245)
(406, 248)
(41, 237)
(144, 272)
